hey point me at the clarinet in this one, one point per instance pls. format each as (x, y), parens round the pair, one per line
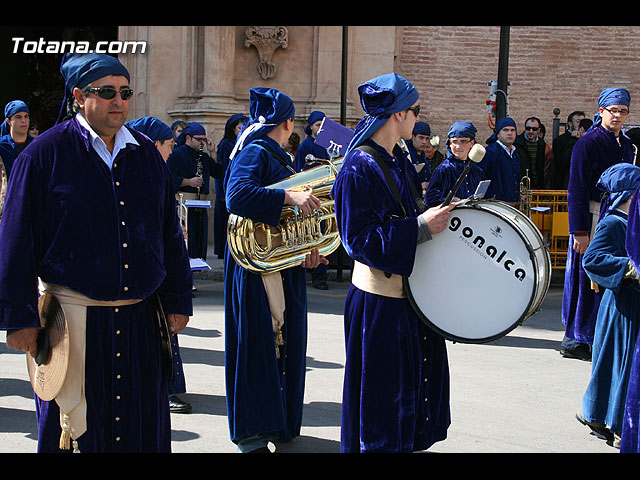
(199, 165)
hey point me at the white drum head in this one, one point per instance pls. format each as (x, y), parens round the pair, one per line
(476, 280)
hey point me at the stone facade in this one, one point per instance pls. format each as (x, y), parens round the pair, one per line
(204, 73)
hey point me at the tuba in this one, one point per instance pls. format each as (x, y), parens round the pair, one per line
(264, 248)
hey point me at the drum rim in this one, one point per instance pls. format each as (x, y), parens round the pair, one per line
(523, 317)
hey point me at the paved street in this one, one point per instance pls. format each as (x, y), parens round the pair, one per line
(514, 395)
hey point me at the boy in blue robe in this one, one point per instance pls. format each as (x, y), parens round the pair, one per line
(602, 146)
(183, 162)
(630, 438)
(388, 405)
(91, 213)
(265, 314)
(460, 139)
(220, 215)
(502, 164)
(618, 323)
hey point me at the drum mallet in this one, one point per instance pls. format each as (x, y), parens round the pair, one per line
(476, 154)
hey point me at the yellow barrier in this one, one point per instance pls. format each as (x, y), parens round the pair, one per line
(549, 211)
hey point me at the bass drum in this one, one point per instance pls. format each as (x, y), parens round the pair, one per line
(483, 276)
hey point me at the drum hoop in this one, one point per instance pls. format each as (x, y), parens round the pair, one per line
(458, 339)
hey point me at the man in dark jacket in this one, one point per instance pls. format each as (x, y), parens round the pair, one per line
(532, 150)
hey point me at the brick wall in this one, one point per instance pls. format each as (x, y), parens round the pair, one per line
(563, 67)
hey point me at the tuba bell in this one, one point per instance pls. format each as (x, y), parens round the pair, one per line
(264, 248)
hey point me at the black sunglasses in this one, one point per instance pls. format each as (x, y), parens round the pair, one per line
(109, 92)
(415, 110)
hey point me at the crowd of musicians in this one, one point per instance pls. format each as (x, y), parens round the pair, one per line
(90, 219)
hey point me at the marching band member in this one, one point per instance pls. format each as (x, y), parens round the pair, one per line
(265, 314)
(417, 146)
(319, 275)
(606, 263)
(220, 215)
(502, 163)
(91, 212)
(603, 145)
(396, 385)
(162, 137)
(190, 150)
(309, 145)
(14, 132)
(460, 140)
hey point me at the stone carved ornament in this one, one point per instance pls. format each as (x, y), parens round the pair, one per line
(266, 40)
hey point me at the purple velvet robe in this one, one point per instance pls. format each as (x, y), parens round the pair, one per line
(388, 404)
(265, 394)
(630, 441)
(592, 154)
(71, 221)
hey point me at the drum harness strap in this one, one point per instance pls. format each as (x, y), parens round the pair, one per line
(365, 275)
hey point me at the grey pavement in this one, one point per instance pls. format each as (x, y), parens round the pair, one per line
(514, 395)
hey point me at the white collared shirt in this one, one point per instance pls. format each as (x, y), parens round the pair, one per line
(508, 150)
(123, 136)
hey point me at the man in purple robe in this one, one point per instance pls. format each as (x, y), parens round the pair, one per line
(602, 146)
(91, 215)
(396, 385)
(265, 313)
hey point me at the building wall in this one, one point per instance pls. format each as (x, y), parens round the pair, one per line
(204, 73)
(549, 67)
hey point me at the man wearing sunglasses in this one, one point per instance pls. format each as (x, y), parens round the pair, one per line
(91, 214)
(602, 146)
(191, 166)
(531, 148)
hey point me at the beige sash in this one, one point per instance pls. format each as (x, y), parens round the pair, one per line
(372, 280)
(71, 399)
(275, 294)
(594, 209)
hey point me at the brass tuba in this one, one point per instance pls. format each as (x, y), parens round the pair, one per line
(266, 249)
